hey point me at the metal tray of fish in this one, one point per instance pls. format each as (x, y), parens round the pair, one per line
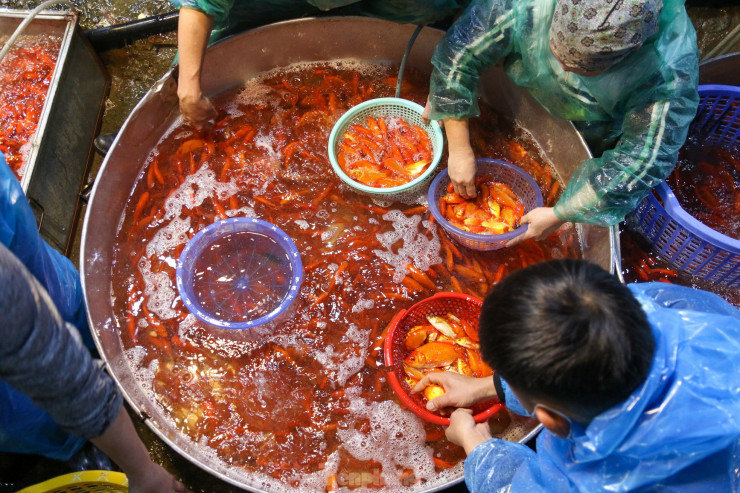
(61, 150)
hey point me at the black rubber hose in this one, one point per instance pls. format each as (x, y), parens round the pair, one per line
(116, 36)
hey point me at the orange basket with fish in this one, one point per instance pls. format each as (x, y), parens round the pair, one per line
(436, 334)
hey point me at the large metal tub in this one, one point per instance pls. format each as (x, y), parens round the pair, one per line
(228, 64)
(723, 69)
(61, 149)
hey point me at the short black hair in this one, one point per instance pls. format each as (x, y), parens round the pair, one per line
(568, 331)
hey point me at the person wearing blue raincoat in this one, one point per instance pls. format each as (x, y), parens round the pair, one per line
(25, 428)
(204, 20)
(677, 429)
(625, 73)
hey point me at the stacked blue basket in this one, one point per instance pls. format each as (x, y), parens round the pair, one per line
(683, 241)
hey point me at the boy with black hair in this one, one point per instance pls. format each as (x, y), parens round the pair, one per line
(638, 387)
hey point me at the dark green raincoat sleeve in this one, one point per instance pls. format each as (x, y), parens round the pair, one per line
(478, 39)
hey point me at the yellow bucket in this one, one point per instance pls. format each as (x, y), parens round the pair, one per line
(82, 482)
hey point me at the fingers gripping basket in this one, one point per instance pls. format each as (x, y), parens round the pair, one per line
(463, 306)
(516, 178)
(387, 108)
(685, 242)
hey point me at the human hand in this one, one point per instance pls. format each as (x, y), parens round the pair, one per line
(465, 432)
(153, 479)
(461, 168)
(197, 110)
(542, 223)
(460, 391)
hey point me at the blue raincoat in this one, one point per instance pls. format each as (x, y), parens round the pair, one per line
(679, 431)
(24, 428)
(639, 109)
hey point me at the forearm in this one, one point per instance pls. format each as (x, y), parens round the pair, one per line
(458, 134)
(484, 389)
(40, 356)
(121, 443)
(194, 29)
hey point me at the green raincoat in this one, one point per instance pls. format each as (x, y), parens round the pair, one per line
(640, 109)
(235, 15)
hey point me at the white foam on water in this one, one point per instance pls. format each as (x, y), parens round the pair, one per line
(198, 187)
(302, 223)
(158, 291)
(318, 480)
(245, 211)
(345, 363)
(417, 248)
(169, 237)
(363, 305)
(396, 439)
(144, 375)
(183, 135)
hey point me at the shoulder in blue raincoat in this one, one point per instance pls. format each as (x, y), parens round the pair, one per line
(638, 111)
(25, 428)
(679, 431)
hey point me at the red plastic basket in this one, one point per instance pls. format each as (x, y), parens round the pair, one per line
(464, 307)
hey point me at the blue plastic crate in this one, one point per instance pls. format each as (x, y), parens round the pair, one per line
(683, 241)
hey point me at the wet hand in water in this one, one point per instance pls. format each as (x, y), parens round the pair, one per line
(198, 111)
(460, 391)
(542, 223)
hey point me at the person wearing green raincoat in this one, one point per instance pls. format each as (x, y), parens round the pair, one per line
(204, 21)
(624, 72)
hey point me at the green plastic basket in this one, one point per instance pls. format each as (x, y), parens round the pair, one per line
(387, 107)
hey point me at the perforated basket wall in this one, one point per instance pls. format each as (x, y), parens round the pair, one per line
(521, 184)
(683, 241)
(463, 306)
(387, 107)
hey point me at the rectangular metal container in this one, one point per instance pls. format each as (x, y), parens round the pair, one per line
(62, 150)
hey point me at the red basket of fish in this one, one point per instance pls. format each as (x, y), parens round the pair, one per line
(437, 334)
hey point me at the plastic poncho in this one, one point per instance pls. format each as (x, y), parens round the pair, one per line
(679, 431)
(19, 233)
(643, 104)
(234, 15)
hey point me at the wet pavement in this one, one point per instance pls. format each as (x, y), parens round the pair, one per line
(133, 70)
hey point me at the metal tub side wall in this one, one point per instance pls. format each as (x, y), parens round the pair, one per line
(228, 64)
(61, 150)
(723, 69)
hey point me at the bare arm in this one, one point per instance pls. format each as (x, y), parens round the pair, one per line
(121, 443)
(461, 163)
(193, 31)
